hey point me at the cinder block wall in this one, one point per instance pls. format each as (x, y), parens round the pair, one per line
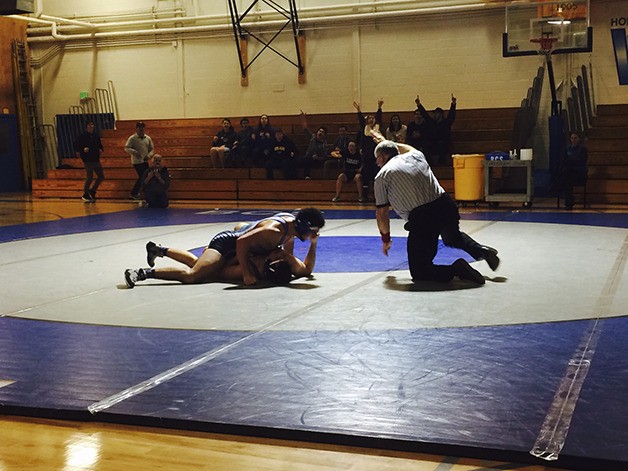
(433, 55)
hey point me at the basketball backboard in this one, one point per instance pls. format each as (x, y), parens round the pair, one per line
(567, 22)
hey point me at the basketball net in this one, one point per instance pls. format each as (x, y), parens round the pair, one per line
(546, 44)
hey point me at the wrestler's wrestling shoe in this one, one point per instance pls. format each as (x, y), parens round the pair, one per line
(490, 255)
(132, 276)
(152, 252)
(464, 271)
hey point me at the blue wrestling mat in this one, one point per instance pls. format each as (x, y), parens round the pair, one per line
(487, 391)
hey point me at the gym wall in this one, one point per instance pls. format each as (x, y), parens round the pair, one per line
(433, 55)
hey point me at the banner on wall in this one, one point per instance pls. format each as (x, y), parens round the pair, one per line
(620, 48)
(565, 10)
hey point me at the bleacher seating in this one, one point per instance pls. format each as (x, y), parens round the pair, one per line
(185, 143)
(607, 142)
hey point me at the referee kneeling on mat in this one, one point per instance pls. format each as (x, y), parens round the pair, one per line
(406, 183)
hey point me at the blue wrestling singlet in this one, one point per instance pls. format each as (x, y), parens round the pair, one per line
(225, 242)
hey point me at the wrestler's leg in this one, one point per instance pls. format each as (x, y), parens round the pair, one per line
(206, 267)
(181, 256)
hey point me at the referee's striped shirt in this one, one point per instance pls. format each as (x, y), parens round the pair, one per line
(405, 182)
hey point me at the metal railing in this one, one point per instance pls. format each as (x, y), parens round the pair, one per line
(100, 109)
(104, 101)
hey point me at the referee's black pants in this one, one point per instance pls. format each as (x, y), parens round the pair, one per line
(425, 224)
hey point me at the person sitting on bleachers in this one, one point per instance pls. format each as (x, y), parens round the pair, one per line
(351, 166)
(241, 154)
(283, 155)
(316, 152)
(332, 164)
(263, 140)
(396, 131)
(222, 144)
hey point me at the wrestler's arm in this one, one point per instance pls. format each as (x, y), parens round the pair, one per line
(310, 258)
(232, 271)
(306, 267)
(288, 246)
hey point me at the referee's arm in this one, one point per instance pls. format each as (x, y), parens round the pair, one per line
(383, 219)
(383, 224)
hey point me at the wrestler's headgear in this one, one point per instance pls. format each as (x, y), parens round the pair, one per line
(277, 272)
(306, 219)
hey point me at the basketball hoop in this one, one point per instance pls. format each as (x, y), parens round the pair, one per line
(546, 44)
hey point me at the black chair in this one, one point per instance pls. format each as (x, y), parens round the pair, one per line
(579, 194)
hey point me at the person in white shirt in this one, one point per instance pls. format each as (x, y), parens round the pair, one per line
(405, 181)
(140, 147)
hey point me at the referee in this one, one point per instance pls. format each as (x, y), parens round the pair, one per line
(406, 183)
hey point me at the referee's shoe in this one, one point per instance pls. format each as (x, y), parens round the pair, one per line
(464, 271)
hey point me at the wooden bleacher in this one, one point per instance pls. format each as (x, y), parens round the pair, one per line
(607, 142)
(185, 143)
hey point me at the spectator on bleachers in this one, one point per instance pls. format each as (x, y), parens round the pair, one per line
(140, 147)
(416, 132)
(332, 164)
(350, 165)
(263, 140)
(283, 155)
(222, 144)
(241, 154)
(366, 144)
(396, 130)
(438, 142)
(341, 143)
(316, 152)
(155, 184)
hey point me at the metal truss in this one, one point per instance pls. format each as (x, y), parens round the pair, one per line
(241, 32)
